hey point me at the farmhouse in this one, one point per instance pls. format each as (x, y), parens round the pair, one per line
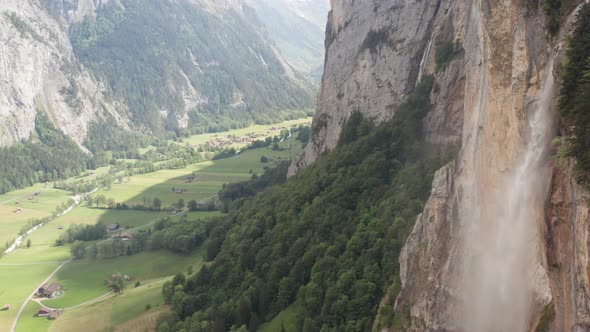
(43, 312)
(49, 289)
(49, 313)
(126, 237)
(54, 314)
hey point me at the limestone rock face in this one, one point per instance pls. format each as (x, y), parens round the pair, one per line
(505, 64)
(37, 67)
(376, 51)
(429, 249)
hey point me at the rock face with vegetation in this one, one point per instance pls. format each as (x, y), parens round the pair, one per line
(494, 65)
(40, 73)
(154, 66)
(376, 52)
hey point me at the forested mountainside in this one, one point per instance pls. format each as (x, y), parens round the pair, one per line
(192, 65)
(155, 66)
(134, 69)
(297, 26)
(325, 244)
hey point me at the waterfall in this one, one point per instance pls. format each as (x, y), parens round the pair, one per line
(501, 254)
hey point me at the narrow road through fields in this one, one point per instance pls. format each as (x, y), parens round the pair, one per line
(94, 300)
(22, 308)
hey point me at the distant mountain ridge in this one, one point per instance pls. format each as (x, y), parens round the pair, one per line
(150, 66)
(297, 26)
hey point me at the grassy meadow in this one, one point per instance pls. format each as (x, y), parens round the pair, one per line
(16, 284)
(209, 177)
(85, 279)
(22, 271)
(128, 311)
(18, 207)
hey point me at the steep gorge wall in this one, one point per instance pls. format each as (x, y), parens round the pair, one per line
(485, 100)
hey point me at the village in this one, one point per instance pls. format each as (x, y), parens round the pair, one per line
(221, 142)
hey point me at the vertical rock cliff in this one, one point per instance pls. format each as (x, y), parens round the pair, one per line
(500, 245)
(376, 51)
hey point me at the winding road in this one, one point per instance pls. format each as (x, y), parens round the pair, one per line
(94, 300)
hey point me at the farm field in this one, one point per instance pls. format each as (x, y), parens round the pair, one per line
(19, 206)
(209, 177)
(30, 323)
(16, 209)
(128, 311)
(84, 280)
(22, 271)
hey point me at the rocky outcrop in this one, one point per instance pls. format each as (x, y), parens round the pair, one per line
(444, 270)
(506, 64)
(429, 249)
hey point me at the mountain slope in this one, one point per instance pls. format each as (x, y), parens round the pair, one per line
(184, 62)
(150, 66)
(39, 70)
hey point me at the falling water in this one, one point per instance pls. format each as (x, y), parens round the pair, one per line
(501, 241)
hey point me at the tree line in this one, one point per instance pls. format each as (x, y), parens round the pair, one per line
(574, 95)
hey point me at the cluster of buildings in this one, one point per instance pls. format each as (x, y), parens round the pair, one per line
(49, 313)
(221, 142)
(49, 290)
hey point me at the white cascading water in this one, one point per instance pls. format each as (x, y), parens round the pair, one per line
(501, 259)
